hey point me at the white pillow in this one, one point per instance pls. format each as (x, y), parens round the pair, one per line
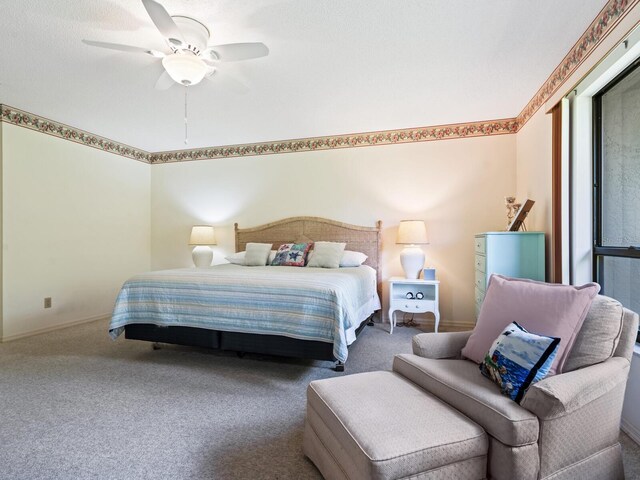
(349, 258)
(257, 254)
(352, 259)
(238, 258)
(326, 254)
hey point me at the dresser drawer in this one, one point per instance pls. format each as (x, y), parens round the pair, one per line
(479, 296)
(481, 262)
(479, 299)
(481, 282)
(481, 245)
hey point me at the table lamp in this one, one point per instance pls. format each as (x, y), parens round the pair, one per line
(202, 236)
(412, 233)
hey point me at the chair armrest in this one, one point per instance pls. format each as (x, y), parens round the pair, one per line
(563, 394)
(440, 345)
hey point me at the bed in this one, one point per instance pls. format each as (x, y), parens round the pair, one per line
(289, 311)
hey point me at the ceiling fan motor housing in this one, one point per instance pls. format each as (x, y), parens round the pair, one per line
(195, 34)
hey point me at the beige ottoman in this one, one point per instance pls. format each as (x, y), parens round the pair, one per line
(379, 425)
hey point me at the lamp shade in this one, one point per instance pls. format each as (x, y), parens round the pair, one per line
(202, 235)
(412, 232)
(184, 68)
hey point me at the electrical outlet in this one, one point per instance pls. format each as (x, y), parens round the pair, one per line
(47, 302)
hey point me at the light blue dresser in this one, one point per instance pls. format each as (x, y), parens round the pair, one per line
(515, 254)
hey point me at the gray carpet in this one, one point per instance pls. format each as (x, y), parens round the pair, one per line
(75, 405)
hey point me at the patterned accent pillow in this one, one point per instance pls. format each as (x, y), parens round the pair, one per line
(517, 359)
(292, 254)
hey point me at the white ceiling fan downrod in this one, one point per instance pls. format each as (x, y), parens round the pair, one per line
(186, 125)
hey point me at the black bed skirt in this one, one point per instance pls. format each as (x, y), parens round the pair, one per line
(238, 342)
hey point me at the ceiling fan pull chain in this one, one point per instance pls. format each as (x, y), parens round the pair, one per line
(186, 140)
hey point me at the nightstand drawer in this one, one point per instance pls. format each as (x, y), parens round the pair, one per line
(481, 245)
(418, 306)
(481, 282)
(481, 262)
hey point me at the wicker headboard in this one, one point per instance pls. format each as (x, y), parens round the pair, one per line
(359, 239)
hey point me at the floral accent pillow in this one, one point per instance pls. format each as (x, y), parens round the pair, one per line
(292, 254)
(518, 359)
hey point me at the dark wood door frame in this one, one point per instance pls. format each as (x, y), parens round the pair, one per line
(556, 195)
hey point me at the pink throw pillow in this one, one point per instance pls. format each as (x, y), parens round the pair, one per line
(550, 309)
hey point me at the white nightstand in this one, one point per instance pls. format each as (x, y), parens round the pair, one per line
(399, 287)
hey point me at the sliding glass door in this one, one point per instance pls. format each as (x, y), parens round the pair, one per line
(617, 188)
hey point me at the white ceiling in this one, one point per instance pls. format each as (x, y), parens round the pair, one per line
(335, 66)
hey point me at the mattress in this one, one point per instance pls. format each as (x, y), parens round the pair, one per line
(299, 302)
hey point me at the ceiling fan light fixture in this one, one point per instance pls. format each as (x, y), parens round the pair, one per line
(185, 69)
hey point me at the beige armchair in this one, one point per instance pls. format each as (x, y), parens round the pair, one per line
(455, 423)
(567, 425)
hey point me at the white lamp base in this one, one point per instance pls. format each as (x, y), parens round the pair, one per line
(412, 260)
(202, 256)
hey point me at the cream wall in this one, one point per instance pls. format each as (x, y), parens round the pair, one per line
(76, 224)
(456, 186)
(533, 173)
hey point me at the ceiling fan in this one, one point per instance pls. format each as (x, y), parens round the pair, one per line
(190, 59)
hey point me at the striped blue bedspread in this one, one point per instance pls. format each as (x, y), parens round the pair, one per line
(300, 302)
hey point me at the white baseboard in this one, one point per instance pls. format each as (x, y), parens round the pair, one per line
(445, 325)
(59, 326)
(631, 430)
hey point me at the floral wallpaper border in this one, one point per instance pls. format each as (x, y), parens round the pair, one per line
(604, 23)
(28, 120)
(385, 137)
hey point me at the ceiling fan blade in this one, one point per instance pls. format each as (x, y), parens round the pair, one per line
(165, 82)
(227, 81)
(164, 22)
(124, 48)
(232, 52)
